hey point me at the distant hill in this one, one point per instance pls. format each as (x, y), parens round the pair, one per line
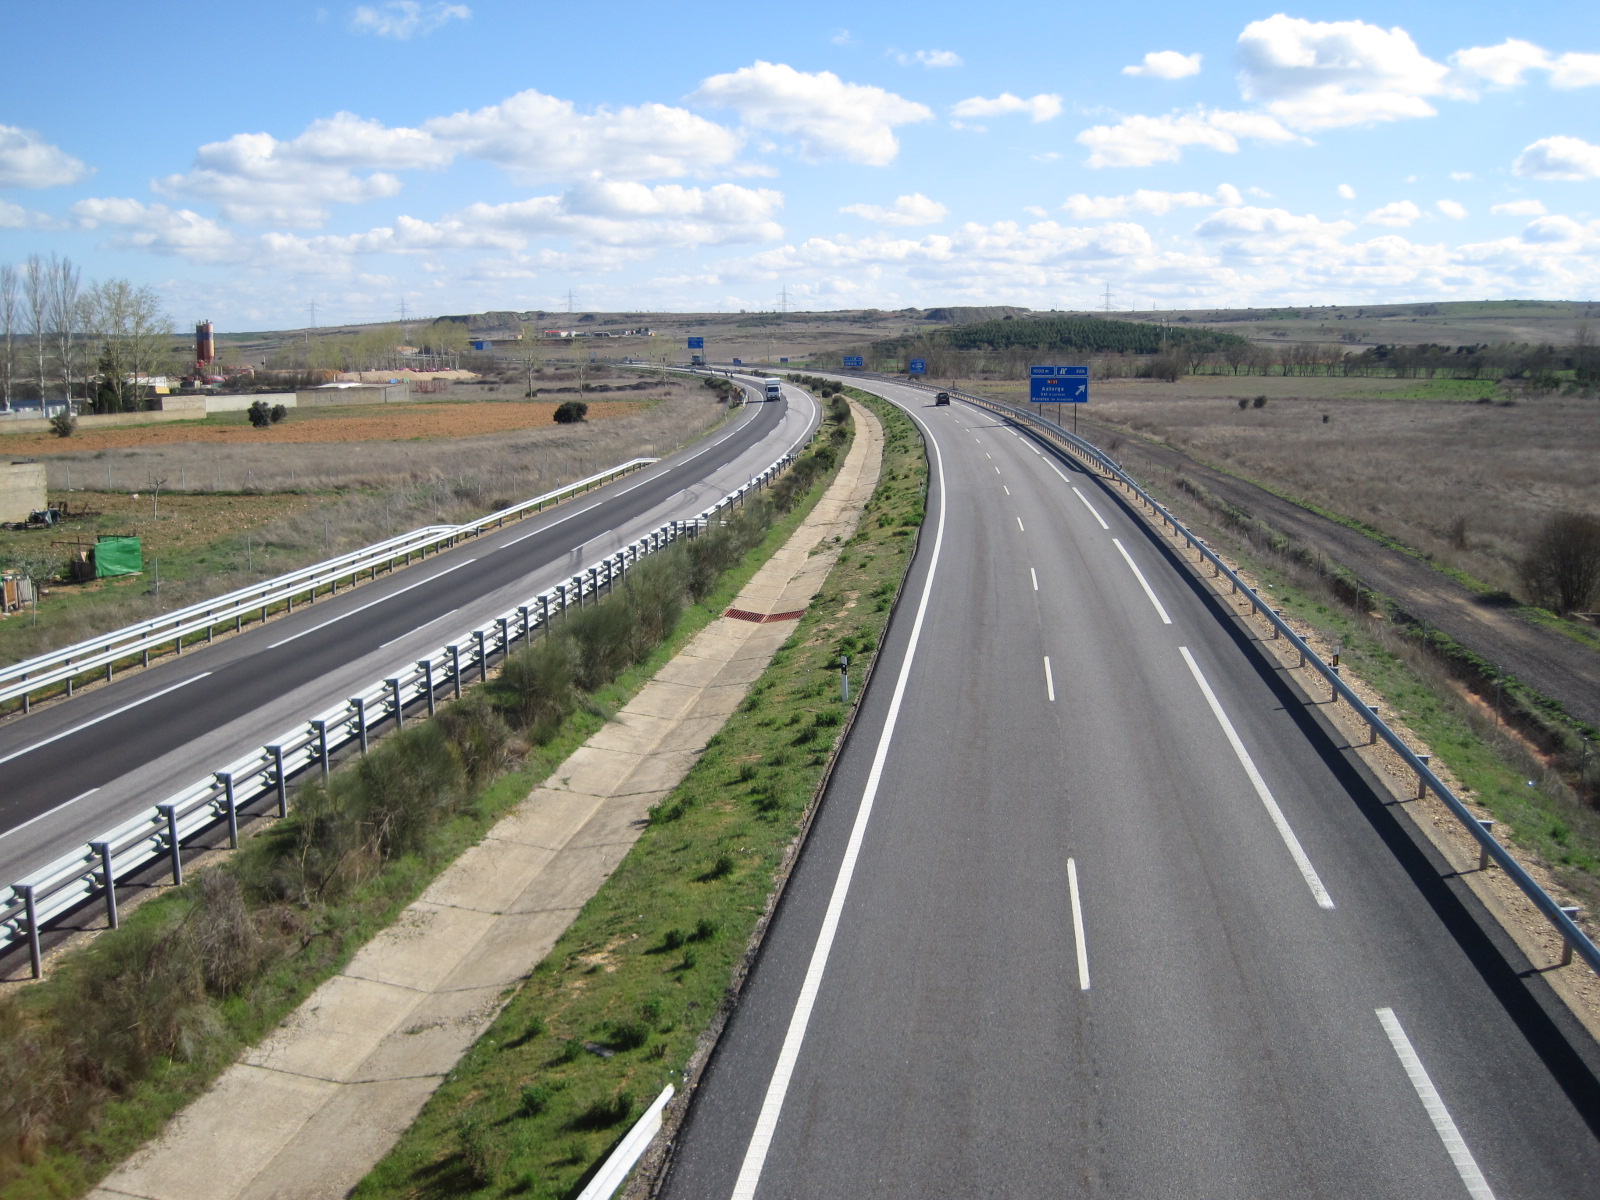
(965, 316)
(1083, 335)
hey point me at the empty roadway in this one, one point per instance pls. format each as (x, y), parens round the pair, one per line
(1096, 906)
(72, 770)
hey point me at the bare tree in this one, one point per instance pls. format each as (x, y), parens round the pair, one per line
(36, 290)
(8, 323)
(134, 337)
(1562, 568)
(66, 318)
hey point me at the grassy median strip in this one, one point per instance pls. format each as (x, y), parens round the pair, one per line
(614, 1012)
(129, 1028)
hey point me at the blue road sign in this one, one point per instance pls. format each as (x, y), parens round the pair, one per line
(854, 360)
(783, 360)
(917, 366)
(698, 343)
(1058, 385)
(738, 362)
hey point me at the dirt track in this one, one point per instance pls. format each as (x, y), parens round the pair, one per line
(1554, 665)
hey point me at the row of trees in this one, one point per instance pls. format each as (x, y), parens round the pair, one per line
(62, 339)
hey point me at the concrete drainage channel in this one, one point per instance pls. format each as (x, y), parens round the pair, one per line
(208, 814)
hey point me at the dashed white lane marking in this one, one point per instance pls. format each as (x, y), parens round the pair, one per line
(1007, 490)
(755, 1155)
(1143, 582)
(1049, 680)
(418, 629)
(372, 603)
(1279, 821)
(1034, 575)
(49, 812)
(1020, 525)
(1090, 507)
(115, 712)
(1077, 925)
(1455, 1146)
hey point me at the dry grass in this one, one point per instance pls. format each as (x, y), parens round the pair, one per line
(1463, 483)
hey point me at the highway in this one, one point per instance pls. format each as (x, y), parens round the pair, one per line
(1096, 906)
(73, 769)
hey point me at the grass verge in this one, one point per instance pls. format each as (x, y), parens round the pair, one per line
(128, 1029)
(616, 1009)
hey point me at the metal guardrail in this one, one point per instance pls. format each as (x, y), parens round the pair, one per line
(634, 1143)
(66, 665)
(159, 833)
(1490, 850)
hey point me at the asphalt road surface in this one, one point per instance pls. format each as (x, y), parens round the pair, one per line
(73, 770)
(1095, 906)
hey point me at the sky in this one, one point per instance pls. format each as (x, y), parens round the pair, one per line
(249, 161)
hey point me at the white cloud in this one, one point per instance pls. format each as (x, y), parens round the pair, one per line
(1347, 192)
(1518, 208)
(829, 117)
(1139, 141)
(1559, 158)
(1277, 226)
(405, 19)
(1462, 176)
(1557, 229)
(1166, 64)
(842, 37)
(541, 138)
(1503, 65)
(157, 228)
(1398, 213)
(1576, 71)
(932, 59)
(27, 161)
(1325, 74)
(14, 216)
(915, 209)
(1451, 209)
(1087, 208)
(1042, 107)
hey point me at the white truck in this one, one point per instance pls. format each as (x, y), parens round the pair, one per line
(773, 388)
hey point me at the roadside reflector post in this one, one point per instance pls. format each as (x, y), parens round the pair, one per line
(455, 669)
(320, 728)
(32, 917)
(1487, 824)
(1572, 911)
(394, 702)
(230, 807)
(359, 703)
(107, 880)
(280, 780)
(173, 849)
(426, 666)
(844, 679)
(1422, 780)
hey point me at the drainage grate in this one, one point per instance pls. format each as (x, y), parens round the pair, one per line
(739, 614)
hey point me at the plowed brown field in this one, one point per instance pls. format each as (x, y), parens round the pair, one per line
(366, 424)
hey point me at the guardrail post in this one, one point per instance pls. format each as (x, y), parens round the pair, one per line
(226, 780)
(504, 625)
(1422, 782)
(544, 607)
(280, 780)
(394, 702)
(1333, 685)
(483, 656)
(1487, 823)
(103, 849)
(1572, 911)
(561, 592)
(427, 682)
(360, 704)
(176, 851)
(320, 728)
(455, 668)
(527, 624)
(211, 630)
(32, 917)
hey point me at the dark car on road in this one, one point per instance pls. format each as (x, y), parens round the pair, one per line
(942, 398)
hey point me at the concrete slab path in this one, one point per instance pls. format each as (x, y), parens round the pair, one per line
(307, 1112)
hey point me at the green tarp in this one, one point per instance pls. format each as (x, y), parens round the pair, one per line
(117, 556)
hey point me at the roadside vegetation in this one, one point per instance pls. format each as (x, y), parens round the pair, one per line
(619, 1006)
(131, 1026)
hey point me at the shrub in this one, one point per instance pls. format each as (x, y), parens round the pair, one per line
(603, 644)
(64, 424)
(279, 413)
(260, 415)
(1259, 402)
(1562, 567)
(570, 412)
(536, 685)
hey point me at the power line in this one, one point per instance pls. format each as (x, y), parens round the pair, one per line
(1107, 298)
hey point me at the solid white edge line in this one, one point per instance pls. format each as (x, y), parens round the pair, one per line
(1296, 851)
(1454, 1144)
(1077, 925)
(1034, 575)
(372, 603)
(1144, 583)
(755, 1156)
(49, 812)
(1049, 680)
(115, 712)
(1089, 506)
